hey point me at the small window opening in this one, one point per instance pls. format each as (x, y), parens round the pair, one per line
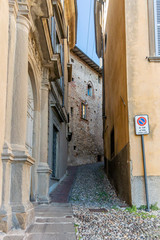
(71, 111)
(84, 111)
(74, 147)
(72, 60)
(72, 79)
(90, 90)
(99, 80)
(112, 144)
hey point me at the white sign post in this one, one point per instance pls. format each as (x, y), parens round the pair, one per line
(142, 128)
(142, 124)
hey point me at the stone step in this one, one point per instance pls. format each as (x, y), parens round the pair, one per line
(55, 214)
(54, 236)
(51, 228)
(67, 219)
(14, 237)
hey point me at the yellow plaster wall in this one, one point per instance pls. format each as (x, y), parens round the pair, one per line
(143, 79)
(115, 78)
(3, 73)
(70, 18)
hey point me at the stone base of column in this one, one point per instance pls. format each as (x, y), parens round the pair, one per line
(5, 219)
(22, 215)
(5, 209)
(43, 183)
(22, 208)
(16, 210)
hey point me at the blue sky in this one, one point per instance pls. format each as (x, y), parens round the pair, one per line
(85, 33)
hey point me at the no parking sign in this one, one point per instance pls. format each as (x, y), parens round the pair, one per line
(142, 128)
(142, 124)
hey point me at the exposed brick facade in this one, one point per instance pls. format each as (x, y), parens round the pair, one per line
(86, 143)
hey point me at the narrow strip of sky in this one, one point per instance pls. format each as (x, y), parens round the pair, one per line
(86, 33)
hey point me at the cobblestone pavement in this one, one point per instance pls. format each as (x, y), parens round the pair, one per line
(99, 214)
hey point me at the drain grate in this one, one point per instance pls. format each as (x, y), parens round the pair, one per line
(99, 210)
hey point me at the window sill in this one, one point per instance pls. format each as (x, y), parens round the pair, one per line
(153, 59)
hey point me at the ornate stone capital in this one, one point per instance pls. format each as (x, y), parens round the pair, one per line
(13, 7)
(23, 7)
(22, 20)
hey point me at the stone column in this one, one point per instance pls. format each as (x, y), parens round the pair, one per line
(7, 156)
(43, 169)
(22, 209)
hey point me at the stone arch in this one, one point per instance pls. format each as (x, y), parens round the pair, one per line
(35, 82)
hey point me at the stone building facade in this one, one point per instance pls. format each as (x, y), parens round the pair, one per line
(131, 52)
(35, 40)
(85, 110)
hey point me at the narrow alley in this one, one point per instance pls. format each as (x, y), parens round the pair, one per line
(79, 120)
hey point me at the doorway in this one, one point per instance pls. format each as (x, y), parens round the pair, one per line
(54, 154)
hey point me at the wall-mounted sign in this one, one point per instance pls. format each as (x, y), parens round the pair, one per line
(142, 124)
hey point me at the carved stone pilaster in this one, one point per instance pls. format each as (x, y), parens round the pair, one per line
(7, 155)
(43, 169)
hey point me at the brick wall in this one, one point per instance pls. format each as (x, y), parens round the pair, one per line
(86, 143)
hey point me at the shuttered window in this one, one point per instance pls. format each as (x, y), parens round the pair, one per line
(157, 26)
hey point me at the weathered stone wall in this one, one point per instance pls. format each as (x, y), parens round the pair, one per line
(86, 143)
(4, 16)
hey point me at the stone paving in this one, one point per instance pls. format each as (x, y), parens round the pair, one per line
(94, 212)
(61, 193)
(99, 214)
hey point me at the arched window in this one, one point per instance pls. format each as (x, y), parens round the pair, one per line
(89, 90)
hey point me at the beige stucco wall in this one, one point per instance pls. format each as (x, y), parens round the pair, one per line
(3, 73)
(143, 88)
(115, 79)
